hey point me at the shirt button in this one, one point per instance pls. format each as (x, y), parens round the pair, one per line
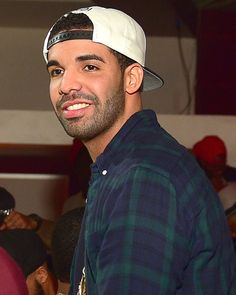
(104, 172)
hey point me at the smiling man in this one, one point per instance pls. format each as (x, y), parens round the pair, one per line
(153, 224)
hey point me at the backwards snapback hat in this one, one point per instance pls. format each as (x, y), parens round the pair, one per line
(115, 29)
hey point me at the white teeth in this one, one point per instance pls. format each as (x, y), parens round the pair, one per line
(77, 106)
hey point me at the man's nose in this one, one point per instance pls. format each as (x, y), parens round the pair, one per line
(70, 81)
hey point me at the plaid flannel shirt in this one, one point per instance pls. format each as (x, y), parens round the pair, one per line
(154, 225)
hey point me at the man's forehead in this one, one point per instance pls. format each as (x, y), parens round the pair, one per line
(78, 50)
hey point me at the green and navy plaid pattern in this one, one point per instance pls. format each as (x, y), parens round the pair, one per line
(154, 225)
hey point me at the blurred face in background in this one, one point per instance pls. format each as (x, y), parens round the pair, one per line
(215, 167)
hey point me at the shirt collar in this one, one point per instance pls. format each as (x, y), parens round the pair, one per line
(104, 160)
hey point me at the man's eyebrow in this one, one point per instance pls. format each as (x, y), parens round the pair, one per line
(90, 57)
(53, 63)
(79, 58)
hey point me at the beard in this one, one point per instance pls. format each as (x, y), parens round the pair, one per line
(105, 115)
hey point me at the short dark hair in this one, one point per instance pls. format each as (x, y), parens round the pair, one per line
(64, 239)
(70, 22)
(82, 21)
(26, 247)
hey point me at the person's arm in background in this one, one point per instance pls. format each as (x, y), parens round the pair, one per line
(43, 227)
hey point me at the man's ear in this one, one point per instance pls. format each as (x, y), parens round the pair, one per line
(41, 274)
(133, 78)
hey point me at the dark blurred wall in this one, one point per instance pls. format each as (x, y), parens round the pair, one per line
(216, 62)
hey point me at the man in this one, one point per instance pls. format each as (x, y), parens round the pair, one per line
(29, 252)
(153, 223)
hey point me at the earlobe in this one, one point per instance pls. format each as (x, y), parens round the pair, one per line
(133, 78)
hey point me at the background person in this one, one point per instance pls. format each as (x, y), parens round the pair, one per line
(79, 176)
(29, 252)
(64, 240)
(211, 154)
(12, 219)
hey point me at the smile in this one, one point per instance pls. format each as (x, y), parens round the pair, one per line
(77, 106)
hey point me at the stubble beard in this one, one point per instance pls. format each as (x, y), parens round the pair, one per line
(105, 115)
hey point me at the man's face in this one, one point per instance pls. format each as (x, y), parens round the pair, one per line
(86, 88)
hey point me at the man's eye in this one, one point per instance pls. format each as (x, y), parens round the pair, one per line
(91, 68)
(55, 72)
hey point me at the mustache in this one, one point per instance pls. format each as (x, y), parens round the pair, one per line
(77, 95)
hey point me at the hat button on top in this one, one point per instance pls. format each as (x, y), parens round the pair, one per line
(104, 172)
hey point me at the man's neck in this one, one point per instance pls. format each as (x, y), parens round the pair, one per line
(97, 145)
